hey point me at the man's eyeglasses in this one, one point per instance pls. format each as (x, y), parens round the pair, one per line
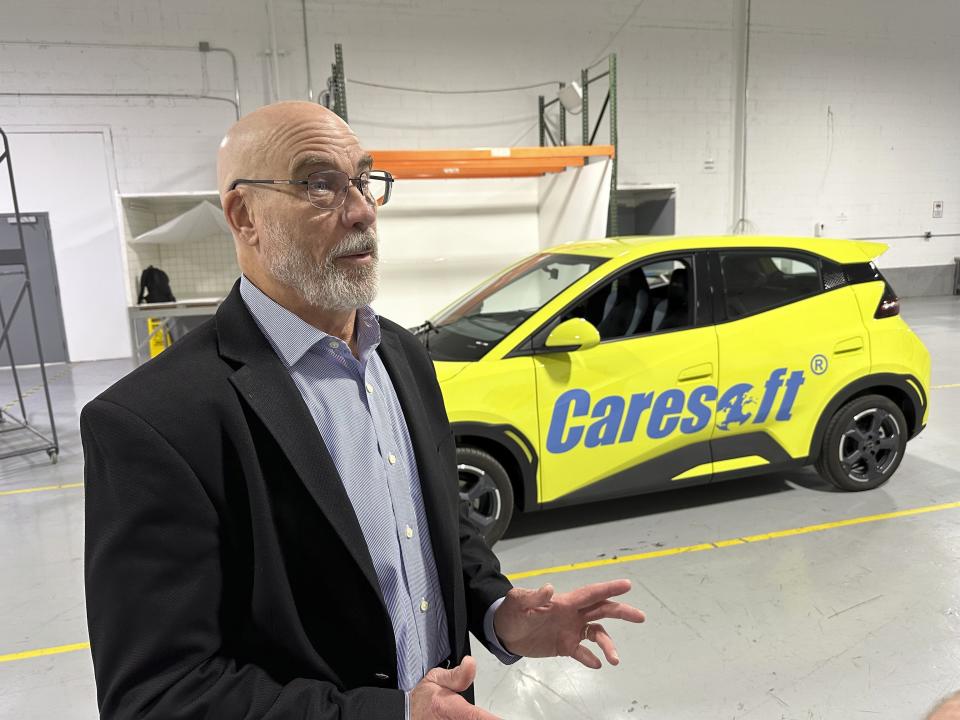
(327, 189)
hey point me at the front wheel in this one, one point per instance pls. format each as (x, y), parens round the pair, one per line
(864, 443)
(486, 492)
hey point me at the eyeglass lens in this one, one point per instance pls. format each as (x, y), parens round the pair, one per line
(327, 188)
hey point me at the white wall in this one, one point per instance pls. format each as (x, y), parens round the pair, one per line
(574, 204)
(475, 228)
(853, 121)
(851, 114)
(67, 175)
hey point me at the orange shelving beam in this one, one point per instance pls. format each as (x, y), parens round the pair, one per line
(485, 162)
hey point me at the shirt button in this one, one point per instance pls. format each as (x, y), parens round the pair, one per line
(369, 388)
(424, 605)
(334, 344)
(392, 459)
(409, 532)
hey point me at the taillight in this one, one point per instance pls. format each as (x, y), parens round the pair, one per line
(889, 303)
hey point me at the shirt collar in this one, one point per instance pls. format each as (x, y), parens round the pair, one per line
(291, 336)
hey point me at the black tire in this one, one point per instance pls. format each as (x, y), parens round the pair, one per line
(486, 491)
(864, 443)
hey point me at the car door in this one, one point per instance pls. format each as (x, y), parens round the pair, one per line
(634, 412)
(787, 346)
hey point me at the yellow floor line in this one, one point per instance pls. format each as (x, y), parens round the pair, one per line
(573, 567)
(941, 387)
(44, 488)
(44, 651)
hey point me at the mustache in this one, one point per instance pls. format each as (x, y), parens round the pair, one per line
(356, 243)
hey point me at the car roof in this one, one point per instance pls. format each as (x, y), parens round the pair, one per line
(842, 251)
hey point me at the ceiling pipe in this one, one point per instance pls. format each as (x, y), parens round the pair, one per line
(174, 96)
(203, 47)
(274, 52)
(306, 49)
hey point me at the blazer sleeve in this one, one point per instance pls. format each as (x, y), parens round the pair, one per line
(154, 587)
(485, 584)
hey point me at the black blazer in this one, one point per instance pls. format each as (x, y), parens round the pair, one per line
(226, 572)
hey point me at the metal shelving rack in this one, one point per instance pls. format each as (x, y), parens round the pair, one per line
(14, 262)
(609, 103)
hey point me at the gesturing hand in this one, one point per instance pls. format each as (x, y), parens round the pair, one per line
(537, 623)
(435, 697)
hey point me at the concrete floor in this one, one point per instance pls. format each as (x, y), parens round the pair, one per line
(851, 622)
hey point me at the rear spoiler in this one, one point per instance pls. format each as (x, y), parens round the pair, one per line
(872, 250)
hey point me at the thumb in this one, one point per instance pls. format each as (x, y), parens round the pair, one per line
(459, 678)
(529, 599)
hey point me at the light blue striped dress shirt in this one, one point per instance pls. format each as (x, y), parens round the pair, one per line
(362, 425)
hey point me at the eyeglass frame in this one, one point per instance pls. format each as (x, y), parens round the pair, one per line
(387, 178)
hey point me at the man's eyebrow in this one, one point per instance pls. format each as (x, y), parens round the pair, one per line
(366, 162)
(310, 161)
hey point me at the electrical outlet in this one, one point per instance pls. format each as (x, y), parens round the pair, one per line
(938, 208)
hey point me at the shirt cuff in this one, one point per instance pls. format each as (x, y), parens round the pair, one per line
(406, 705)
(499, 651)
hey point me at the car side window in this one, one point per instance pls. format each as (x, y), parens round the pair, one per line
(651, 297)
(755, 281)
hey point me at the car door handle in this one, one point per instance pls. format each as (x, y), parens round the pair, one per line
(697, 372)
(850, 345)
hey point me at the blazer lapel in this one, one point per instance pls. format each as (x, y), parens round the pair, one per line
(444, 533)
(268, 389)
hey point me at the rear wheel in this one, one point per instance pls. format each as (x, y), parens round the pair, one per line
(864, 443)
(486, 492)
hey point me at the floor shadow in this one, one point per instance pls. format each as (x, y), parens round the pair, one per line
(524, 524)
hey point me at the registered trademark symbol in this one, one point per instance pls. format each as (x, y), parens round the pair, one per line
(818, 365)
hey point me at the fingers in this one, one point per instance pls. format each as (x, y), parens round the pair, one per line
(585, 657)
(598, 634)
(615, 611)
(598, 592)
(456, 679)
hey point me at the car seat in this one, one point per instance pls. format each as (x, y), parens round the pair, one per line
(626, 306)
(674, 310)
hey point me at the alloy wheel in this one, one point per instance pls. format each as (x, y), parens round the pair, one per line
(870, 445)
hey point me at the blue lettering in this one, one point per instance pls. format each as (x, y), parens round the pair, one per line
(638, 403)
(604, 431)
(793, 385)
(698, 407)
(576, 403)
(664, 417)
(770, 389)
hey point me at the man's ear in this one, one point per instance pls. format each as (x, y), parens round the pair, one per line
(239, 218)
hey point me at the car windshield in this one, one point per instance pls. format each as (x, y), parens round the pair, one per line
(469, 328)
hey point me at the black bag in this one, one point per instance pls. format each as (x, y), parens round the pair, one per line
(155, 285)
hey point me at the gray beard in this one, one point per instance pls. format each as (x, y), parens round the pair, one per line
(328, 286)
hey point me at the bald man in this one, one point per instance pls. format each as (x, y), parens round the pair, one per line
(273, 526)
(947, 709)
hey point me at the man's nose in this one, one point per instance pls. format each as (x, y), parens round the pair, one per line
(358, 213)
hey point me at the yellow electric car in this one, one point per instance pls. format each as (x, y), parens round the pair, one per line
(602, 369)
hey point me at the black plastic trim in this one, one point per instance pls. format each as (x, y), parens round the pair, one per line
(755, 443)
(864, 384)
(498, 435)
(645, 477)
(859, 273)
(657, 474)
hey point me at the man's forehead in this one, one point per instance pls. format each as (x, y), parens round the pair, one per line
(348, 159)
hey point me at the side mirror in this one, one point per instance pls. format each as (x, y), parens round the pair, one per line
(572, 334)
